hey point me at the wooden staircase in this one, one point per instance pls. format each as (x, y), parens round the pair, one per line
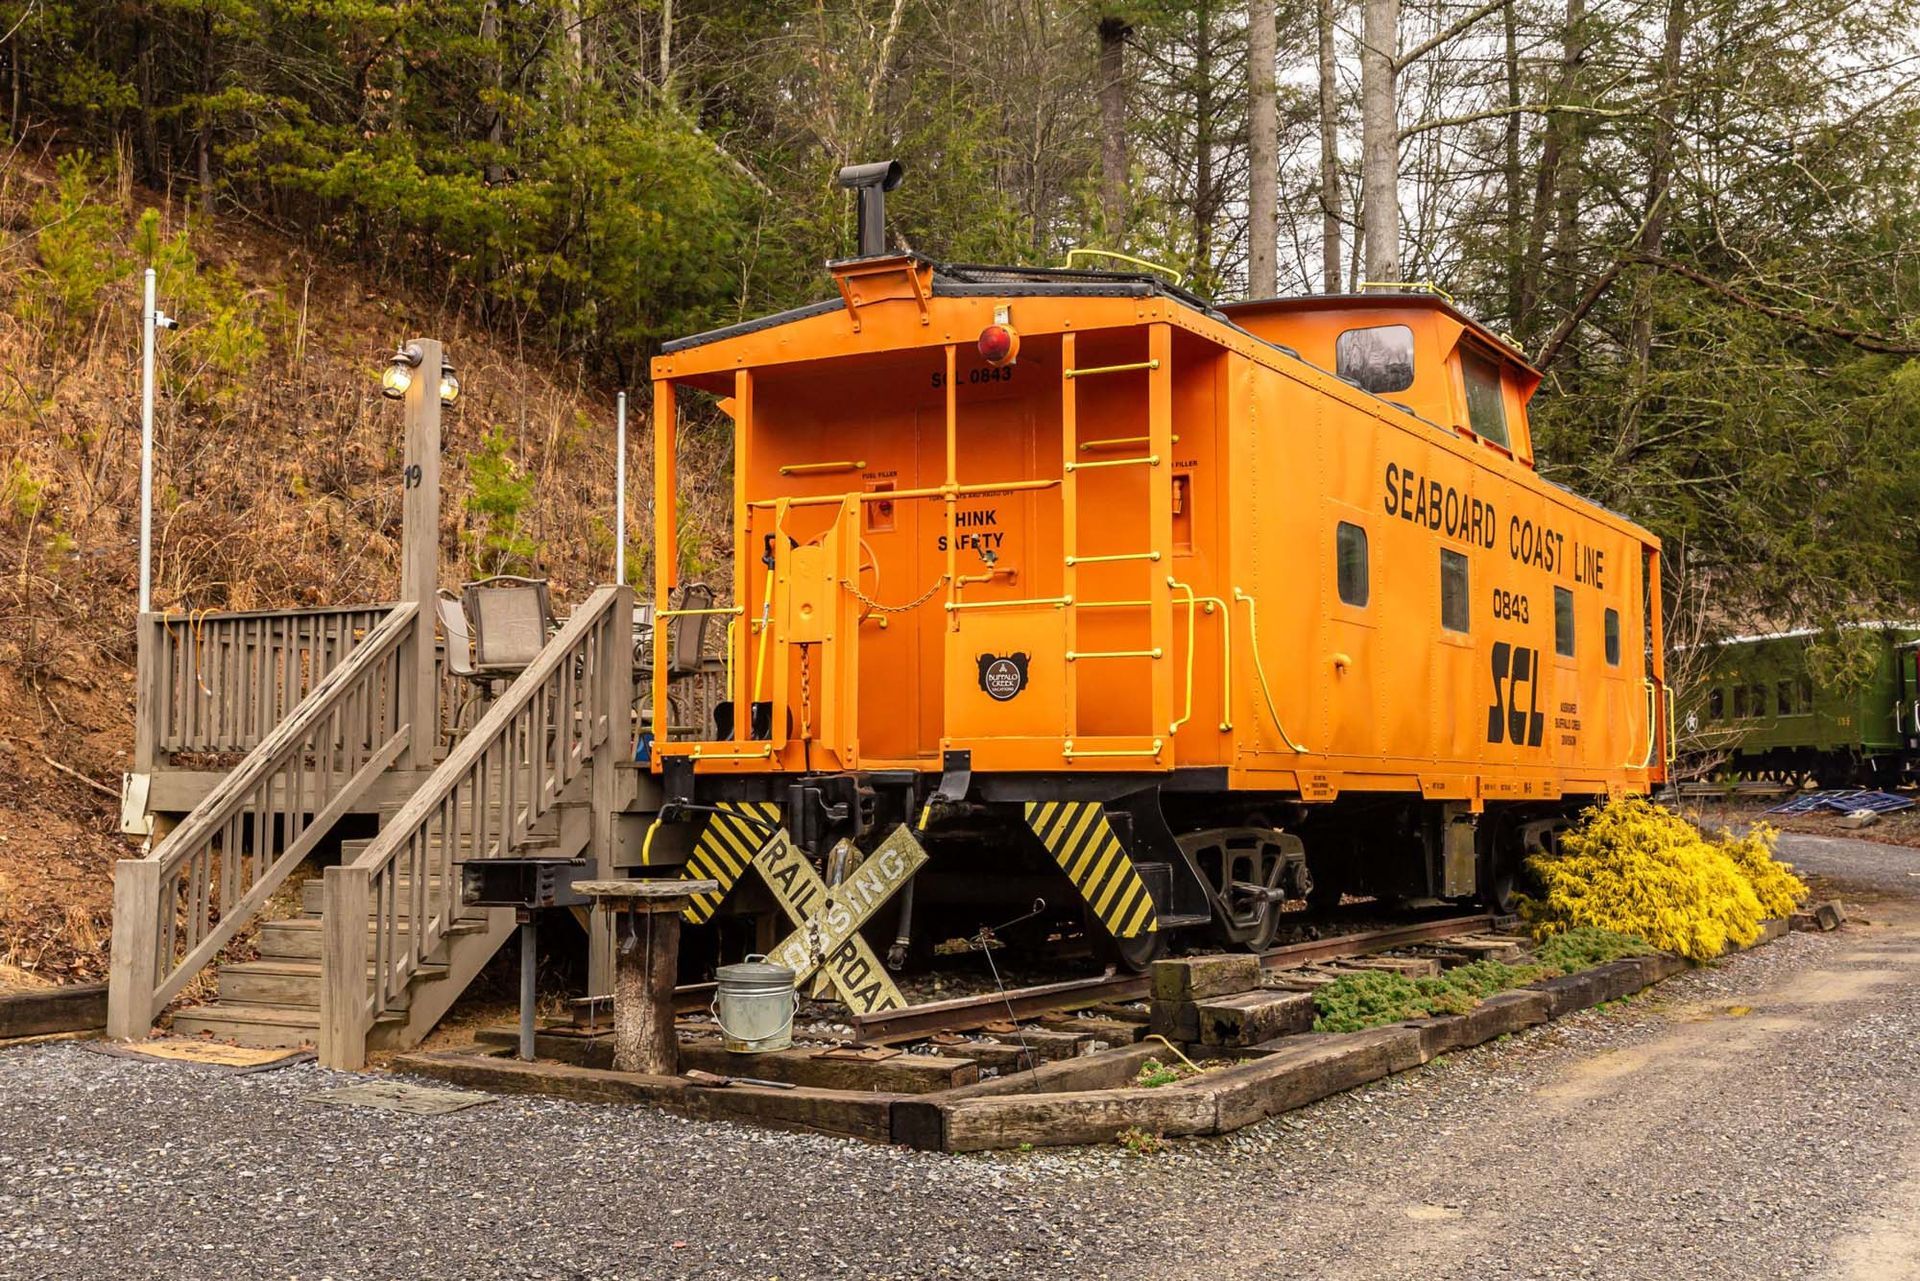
(384, 944)
(275, 1001)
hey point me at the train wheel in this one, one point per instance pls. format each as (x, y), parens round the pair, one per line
(1141, 951)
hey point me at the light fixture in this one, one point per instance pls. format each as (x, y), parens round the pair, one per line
(398, 375)
(449, 384)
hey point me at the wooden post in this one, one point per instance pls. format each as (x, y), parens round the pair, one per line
(613, 699)
(646, 965)
(343, 966)
(420, 550)
(134, 962)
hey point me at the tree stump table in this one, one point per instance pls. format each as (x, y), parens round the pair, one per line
(646, 923)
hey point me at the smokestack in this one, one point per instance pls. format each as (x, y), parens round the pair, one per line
(873, 182)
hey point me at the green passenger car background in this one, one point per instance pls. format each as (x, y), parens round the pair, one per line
(1768, 708)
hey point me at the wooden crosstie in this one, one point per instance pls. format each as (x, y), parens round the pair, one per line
(828, 919)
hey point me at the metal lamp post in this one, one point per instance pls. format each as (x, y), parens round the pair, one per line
(620, 491)
(151, 318)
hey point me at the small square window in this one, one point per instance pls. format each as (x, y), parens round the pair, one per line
(1613, 636)
(1379, 359)
(1453, 590)
(1486, 404)
(1350, 563)
(1563, 622)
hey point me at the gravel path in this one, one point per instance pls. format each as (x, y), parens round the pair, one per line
(1758, 1118)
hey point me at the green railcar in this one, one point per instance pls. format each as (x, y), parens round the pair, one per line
(1762, 709)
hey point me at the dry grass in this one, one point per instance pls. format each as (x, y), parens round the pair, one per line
(278, 489)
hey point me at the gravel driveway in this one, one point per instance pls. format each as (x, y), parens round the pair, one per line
(1758, 1118)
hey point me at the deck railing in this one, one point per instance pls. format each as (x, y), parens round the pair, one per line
(219, 682)
(176, 908)
(569, 707)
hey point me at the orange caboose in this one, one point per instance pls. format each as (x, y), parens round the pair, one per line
(1201, 610)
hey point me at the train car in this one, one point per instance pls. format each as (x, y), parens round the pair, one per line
(1178, 614)
(1763, 711)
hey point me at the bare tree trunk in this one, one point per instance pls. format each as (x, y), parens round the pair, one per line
(1113, 122)
(149, 126)
(1329, 153)
(205, 142)
(1516, 214)
(497, 125)
(1263, 151)
(1654, 226)
(666, 48)
(1380, 138)
(1203, 189)
(1550, 183)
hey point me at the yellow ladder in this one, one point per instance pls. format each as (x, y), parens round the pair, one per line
(1154, 453)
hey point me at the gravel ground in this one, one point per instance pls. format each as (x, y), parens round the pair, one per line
(1761, 1117)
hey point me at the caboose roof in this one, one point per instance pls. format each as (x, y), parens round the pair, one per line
(975, 280)
(1295, 304)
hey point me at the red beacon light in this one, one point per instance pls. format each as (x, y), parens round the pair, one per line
(999, 344)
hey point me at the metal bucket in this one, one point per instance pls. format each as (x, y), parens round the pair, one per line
(754, 1003)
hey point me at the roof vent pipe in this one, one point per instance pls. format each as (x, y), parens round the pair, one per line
(873, 182)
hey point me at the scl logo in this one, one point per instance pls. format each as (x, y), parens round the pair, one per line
(1002, 678)
(1514, 666)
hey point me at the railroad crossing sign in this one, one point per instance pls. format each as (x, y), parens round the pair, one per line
(829, 919)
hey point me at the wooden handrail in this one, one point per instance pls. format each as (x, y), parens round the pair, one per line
(482, 801)
(207, 879)
(218, 682)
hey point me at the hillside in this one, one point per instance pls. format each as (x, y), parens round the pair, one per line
(273, 461)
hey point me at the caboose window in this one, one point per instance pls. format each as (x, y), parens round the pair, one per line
(1740, 703)
(1613, 637)
(1563, 622)
(1350, 564)
(1379, 359)
(1486, 407)
(1716, 705)
(1783, 703)
(1453, 590)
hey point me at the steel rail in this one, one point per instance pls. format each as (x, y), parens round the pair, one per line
(1026, 1002)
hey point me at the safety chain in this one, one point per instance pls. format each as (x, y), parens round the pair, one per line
(876, 607)
(806, 692)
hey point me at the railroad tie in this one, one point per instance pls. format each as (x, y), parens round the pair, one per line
(1085, 846)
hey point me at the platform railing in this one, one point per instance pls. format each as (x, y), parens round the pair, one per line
(219, 682)
(571, 706)
(210, 876)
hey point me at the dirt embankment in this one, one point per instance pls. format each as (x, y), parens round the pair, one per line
(275, 466)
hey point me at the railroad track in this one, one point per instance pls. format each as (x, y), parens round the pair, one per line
(916, 1022)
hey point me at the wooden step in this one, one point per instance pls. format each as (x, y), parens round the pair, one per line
(289, 984)
(250, 1024)
(261, 1025)
(299, 939)
(313, 894)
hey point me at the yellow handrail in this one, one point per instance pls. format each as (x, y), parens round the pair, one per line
(1055, 601)
(1113, 559)
(888, 495)
(1127, 368)
(1118, 442)
(1259, 669)
(1067, 750)
(1075, 655)
(815, 469)
(1151, 460)
(1178, 278)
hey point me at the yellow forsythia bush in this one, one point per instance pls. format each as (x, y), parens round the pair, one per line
(1636, 868)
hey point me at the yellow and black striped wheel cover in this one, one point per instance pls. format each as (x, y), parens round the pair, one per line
(1083, 843)
(726, 845)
